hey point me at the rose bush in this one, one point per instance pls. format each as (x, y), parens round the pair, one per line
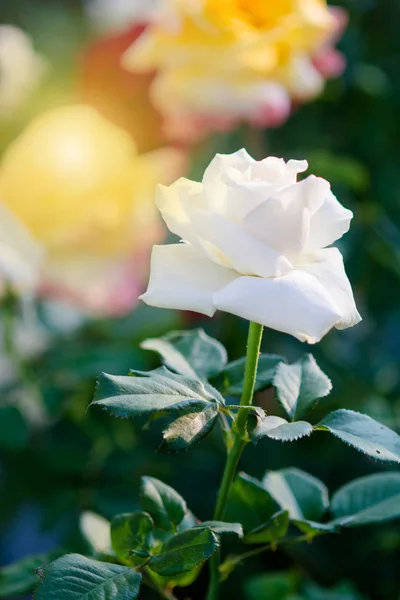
(255, 245)
(76, 183)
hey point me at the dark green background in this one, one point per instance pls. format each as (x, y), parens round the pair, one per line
(86, 460)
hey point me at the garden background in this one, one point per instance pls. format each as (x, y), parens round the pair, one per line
(78, 459)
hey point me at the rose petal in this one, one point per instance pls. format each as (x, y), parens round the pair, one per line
(283, 222)
(214, 180)
(328, 224)
(265, 178)
(173, 202)
(296, 303)
(327, 266)
(276, 171)
(234, 247)
(183, 279)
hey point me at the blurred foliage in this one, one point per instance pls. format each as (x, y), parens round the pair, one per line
(76, 459)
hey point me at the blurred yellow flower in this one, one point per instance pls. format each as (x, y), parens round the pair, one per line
(234, 59)
(76, 182)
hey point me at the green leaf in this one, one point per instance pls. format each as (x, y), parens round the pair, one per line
(75, 577)
(188, 521)
(367, 500)
(223, 528)
(342, 591)
(299, 386)
(250, 503)
(272, 531)
(190, 352)
(193, 423)
(162, 502)
(363, 433)
(183, 580)
(14, 430)
(156, 392)
(234, 373)
(20, 578)
(132, 532)
(312, 529)
(304, 496)
(184, 552)
(277, 586)
(277, 428)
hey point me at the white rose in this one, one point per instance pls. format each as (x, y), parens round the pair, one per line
(255, 245)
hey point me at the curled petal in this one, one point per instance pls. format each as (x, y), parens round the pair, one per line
(214, 180)
(328, 224)
(297, 304)
(184, 279)
(327, 267)
(236, 248)
(173, 203)
(283, 221)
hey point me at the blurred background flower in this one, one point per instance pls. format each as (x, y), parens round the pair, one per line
(222, 63)
(117, 15)
(76, 182)
(21, 70)
(121, 96)
(20, 254)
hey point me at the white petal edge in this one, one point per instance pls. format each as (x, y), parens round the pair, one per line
(184, 279)
(283, 221)
(172, 202)
(328, 268)
(214, 179)
(235, 247)
(328, 224)
(296, 303)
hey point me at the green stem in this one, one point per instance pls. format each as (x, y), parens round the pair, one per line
(250, 373)
(240, 436)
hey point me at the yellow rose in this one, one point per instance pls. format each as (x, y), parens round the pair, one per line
(233, 59)
(77, 184)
